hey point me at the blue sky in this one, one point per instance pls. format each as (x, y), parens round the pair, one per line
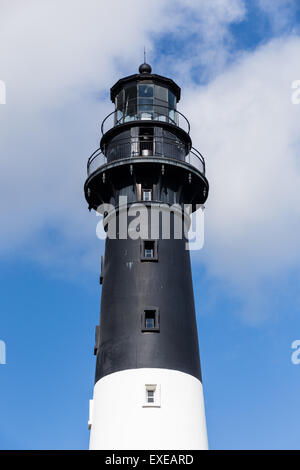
(236, 61)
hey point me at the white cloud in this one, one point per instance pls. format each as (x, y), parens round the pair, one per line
(248, 129)
(280, 13)
(59, 59)
(204, 28)
(56, 59)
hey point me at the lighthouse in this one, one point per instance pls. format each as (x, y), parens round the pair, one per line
(148, 386)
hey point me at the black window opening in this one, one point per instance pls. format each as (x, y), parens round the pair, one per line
(146, 140)
(150, 320)
(149, 251)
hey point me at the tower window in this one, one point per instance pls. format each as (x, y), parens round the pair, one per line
(146, 141)
(149, 253)
(152, 396)
(147, 194)
(150, 320)
(149, 250)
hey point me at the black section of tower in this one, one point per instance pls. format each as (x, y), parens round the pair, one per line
(147, 305)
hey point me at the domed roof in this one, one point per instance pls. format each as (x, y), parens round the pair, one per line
(145, 68)
(145, 73)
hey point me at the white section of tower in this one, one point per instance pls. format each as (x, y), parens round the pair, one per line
(122, 418)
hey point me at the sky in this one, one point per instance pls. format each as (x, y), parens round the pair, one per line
(235, 61)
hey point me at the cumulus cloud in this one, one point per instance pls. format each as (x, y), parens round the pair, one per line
(202, 31)
(280, 13)
(59, 59)
(248, 128)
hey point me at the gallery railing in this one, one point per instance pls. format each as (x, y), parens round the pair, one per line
(145, 145)
(145, 112)
(140, 147)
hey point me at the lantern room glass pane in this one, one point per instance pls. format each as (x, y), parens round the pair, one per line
(119, 107)
(172, 107)
(161, 103)
(130, 103)
(172, 100)
(145, 91)
(145, 101)
(120, 100)
(161, 93)
(130, 93)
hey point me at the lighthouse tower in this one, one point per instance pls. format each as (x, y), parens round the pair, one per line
(148, 386)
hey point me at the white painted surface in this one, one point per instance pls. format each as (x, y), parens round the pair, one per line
(90, 414)
(121, 421)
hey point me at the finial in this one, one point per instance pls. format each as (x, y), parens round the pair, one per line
(145, 68)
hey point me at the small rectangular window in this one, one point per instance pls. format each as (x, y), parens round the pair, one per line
(147, 194)
(150, 320)
(152, 396)
(149, 253)
(149, 250)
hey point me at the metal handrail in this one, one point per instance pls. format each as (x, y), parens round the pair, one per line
(98, 159)
(105, 119)
(97, 154)
(159, 145)
(199, 156)
(137, 116)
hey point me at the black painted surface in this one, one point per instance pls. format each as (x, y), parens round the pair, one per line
(131, 286)
(172, 182)
(130, 283)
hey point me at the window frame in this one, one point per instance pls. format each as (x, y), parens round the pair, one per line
(155, 250)
(155, 388)
(147, 190)
(156, 328)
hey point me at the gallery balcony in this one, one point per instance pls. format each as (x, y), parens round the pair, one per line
(145, 148)
(145, 112)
